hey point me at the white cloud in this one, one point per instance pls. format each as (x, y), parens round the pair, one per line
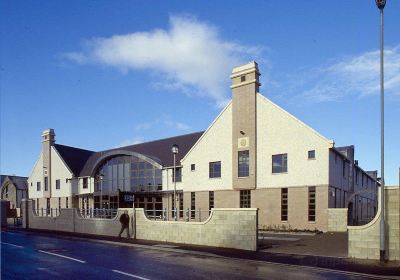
(352, 76)
(163, 122)
(133, 141)
(189, 56)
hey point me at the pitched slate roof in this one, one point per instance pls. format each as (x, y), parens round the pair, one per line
(74, 158)
(21, 183)
(160, 150)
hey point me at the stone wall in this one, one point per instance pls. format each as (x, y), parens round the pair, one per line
(226, 227)
(364, 242)
(337, 219)
(230, 227)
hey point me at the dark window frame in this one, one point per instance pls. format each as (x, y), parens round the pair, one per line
(245, 199)
(244, 163)
(312, 202)
(178, 177)
(284, 204)
(212, 173)
(211, 200)
(282, 161)
(193, 167)
(311, 154)
(85, 183)
(58, 184)
(38, 186)
(46, 184)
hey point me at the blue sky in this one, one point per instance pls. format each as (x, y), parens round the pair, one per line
(111, 73)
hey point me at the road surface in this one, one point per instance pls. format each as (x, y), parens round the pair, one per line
(27, 255)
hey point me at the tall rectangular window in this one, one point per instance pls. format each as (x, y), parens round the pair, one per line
(59, 203)
(284, 204)
(46, 183)
(210, 200)
(279, 163)
(311, 204)
(66, 202)
(245, 199)
(178, 177)
(311, 154)
(193, 205)
(181, 205)
(215, 169)
(243, 163)
(58, 184)
(192, 167)
(344, 169)
(85, 183)
(38, 186)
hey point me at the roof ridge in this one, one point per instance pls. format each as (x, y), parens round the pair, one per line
(152, 141)
(75, 148)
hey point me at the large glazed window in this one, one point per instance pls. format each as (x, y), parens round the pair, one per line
(215, 169)
(128, 173)
(243, 163)
(279, 163)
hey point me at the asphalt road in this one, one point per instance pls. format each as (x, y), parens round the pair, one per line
(34, 256)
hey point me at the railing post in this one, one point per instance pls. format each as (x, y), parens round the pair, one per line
(164, 214)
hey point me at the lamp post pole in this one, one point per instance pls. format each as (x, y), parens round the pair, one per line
(175, 150)
(381, 5)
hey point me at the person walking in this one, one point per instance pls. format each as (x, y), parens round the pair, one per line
(124, 220)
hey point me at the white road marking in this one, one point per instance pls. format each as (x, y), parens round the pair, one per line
(61, 256)
(131, 275)
(18, 246)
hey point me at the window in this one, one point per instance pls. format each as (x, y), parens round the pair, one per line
(192, 205)
(178, 177)
(243, 163)
(311, 154)
(279, 163)
(245, 198)
(242, 78)
(210, 200)
(38, 187)
(66, 202)
(59, 203)
(84, 183)
(47, 203)
(192, 167)
(284, 204)
(344, 169)
(357, 177)
(215, 169)
(46, 184)
(58, 184)
(31, 184)
(311, 204)
(181, 205)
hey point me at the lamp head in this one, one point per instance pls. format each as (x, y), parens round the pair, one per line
(175, 149)
(380, 4)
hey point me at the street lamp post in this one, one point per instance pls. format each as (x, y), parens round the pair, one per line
(175, 151)
(381, 5)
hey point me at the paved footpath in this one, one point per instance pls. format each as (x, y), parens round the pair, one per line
(31, 255)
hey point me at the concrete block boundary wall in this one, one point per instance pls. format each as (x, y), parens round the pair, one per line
(337, 219)
(364, 241)
(226, 227)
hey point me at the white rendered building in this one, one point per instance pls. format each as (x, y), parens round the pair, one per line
(254, 154)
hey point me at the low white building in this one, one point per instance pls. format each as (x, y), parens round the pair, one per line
(254, 154)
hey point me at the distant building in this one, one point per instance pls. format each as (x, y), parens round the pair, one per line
(254, 154)
(13, 189)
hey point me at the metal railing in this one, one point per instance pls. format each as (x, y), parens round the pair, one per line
(97, 213)
(186, 215)
(47, 212)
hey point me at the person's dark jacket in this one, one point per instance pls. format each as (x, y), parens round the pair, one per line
(124, 219)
